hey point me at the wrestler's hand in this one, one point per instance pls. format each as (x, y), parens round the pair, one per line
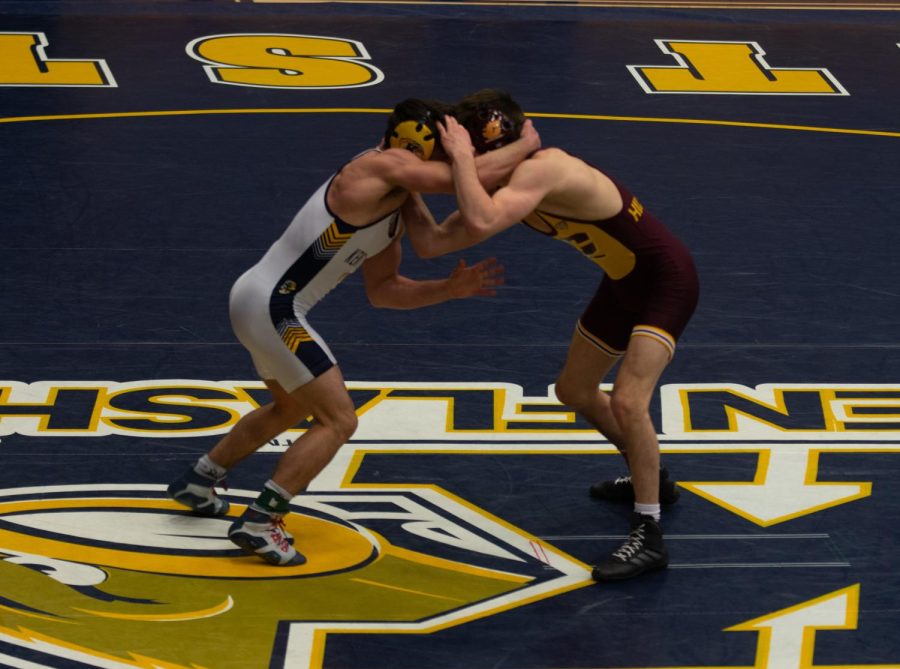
(480, 279)
(530, 135)
(455, 139)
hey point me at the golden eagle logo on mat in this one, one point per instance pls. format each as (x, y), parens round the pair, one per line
(123, 575)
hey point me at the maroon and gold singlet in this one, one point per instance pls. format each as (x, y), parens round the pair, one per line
(650, 286)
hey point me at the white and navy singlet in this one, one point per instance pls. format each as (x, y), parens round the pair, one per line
(269, 303)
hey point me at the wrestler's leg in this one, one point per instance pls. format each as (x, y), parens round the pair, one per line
(635, 384)
(578, 386)
(196, 488)
(260, 529)
(328, 401)
(644, 549)
(586, 365)
(259, 426)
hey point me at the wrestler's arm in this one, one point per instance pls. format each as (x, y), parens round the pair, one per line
(484, 215)
(460, 230)
(495, 166)
(429, 239)
(404, 169)
(387, 288)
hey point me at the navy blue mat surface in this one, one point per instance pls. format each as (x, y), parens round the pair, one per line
(455, 530)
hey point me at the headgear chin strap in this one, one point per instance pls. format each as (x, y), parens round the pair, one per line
(415, 136)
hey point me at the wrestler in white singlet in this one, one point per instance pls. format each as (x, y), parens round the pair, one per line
(269, 303)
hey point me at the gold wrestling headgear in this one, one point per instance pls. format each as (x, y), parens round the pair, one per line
(413, 126)
(413, 136)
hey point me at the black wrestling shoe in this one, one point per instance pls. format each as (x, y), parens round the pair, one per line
(621, 489)
(642, 551)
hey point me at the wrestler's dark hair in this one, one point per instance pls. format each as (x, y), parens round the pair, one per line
(492, 118)
(412, 125)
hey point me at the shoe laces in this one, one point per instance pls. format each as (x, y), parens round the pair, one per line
(622, 480)
(215, 481)
(632, 546)
(276, 530)
(214, 494)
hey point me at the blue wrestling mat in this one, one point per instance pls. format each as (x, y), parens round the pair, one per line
(152, 151)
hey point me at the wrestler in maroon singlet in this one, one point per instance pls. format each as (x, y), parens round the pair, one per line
(650, 284)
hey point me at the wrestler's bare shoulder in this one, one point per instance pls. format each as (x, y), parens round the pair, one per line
(552, 154)
(545, 166)
(553, 162)
(578, 188)
(360, 192)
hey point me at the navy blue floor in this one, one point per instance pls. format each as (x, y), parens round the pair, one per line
(455, 530)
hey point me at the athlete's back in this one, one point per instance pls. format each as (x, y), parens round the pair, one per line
(575, 188)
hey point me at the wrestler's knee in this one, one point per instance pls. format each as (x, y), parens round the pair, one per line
(575, 395)
(628, 408)
(342, 421)
(343, 424)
